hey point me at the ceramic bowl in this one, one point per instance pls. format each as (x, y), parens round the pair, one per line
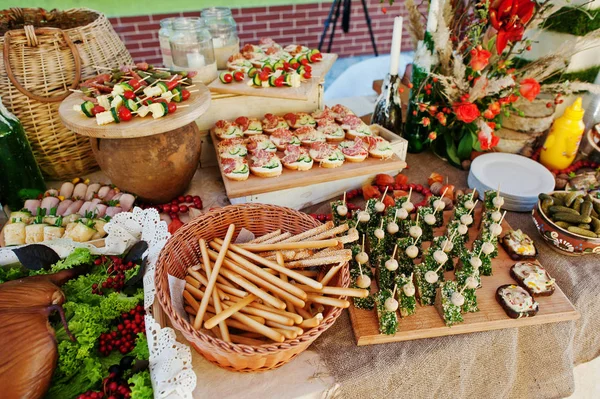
(562, 240)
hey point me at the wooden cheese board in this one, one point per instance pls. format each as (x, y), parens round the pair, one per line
(319, 70)
(197, 104)
(427, 322)
(293, 178)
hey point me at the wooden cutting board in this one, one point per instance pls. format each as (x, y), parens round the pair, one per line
(303, 92)
(427, 322)
(294, 178)
(196, 105)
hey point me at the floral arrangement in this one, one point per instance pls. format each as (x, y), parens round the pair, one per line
(467, 73)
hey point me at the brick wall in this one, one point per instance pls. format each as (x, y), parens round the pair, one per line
(302, 24)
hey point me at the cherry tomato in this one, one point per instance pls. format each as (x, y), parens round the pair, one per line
(129, 95)
(295, 65)
(307, 75)
(185, 94)
(286, 65)
(304, 61)
(189, 198)
(97, 109)
(172, 84)
(279, 81)
(166, 208)
(228, 78)
(134, 83)
(172, 107)
(238, 76)
(264, 75)
(267, 68)
(316, 57)
(181, 198)
(125, 114)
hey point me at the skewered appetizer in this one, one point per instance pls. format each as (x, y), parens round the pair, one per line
(339, 212)
(427, 221)
(518, 245)
(449, 301)
(386, 312)
(265, 164)
(534, 278)
(406, 295)
(470, 280)
(361, 276)
(297, 158)
(516, 301)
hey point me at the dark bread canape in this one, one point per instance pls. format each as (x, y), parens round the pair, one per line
(529, 307)
(545, 284)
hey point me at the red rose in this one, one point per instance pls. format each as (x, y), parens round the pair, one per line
(509, 18)
(466, 112)
(488, 114)
(529, 88)
(479, 58)
(426, 121)
(441, 117)
(486, 142)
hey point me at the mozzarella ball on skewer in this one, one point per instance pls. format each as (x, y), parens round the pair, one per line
(487, 248)
(379, 206)
(440, 257)
(415, 231)
(495, 229)
(475, 261)
(498, 201)
(412, 251)
(391, 305)
(471, 282)
(457, 299)
(363, 216)
(392, 227)
(342, 210)
(379, 234)
(391, 264)
(429, 219)
(466, 219)
(409, 289)
(402, 213)
(462, 229)
(409, 206)
(431, 277)
(363, 281)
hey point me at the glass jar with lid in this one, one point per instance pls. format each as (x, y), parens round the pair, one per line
(166, 26)
(192, 48)
(223, 29)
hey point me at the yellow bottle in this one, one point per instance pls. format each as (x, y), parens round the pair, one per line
(562, 142)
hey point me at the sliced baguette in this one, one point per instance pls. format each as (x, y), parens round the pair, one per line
(266, 172)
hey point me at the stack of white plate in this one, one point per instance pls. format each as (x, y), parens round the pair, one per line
(520, 179)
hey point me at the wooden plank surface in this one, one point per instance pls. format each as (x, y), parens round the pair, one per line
(427, 323)
(303, 92)
(294, 178)
(136, 127)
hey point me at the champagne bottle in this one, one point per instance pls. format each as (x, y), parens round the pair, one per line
(388, 109)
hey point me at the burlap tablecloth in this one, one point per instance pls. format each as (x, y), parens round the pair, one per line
(534, 361)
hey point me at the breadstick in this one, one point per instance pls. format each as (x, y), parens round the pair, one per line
(259, 328)
(251, 267)
(312, 322)
(288, 334)
(325, 300)
(289, 305)
(238, 339)
(344, 256)
(265, 237)
(330, 233)
(290, 273)
(213, 277)
(257, 280)
(331, 274)
(298, 330)
(309, 273)
(216, 301)
(265, 314)
(310, 233)
(288, 255)
(197, 294)
(294, 316)
(281, 246)
(220, 279)
(201, 280)
(254, 335)
(347, 239)
(229, 311)
(304, 313)
(225, 288)
(341, 291)
(254, 289)
(278, 238)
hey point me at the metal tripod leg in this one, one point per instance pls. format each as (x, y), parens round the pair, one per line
(335, 19)
(368, 19)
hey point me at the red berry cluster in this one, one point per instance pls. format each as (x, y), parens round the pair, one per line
(124, 336)
(571, 169)
(91, 395)
(116, 274)
(115, 387)
(181, 204)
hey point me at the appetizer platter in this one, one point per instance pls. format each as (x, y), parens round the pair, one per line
(126, 102)
(438, 273)
(299, 149)
(269, 69)
(78, 210)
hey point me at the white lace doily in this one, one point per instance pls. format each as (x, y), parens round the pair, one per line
(170, 361)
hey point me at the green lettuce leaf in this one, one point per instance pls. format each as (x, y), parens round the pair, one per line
(141, 351)
(141, 387)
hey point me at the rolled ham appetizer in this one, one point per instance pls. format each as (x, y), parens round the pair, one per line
(103, 191)
(63, 206)
(32, 205)
(109, 196)
(79, 191)
(126, 202)
(51, 193)
(66, 190)
(100, 210)
(86, 207)
(113, 210)
(73, 208)
(49, 203)
(91, 191)
(96, 201)
(117, 196)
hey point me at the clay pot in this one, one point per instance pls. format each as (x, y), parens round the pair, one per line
(156, 168)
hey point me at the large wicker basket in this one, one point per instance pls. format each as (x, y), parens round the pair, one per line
(182, 251)
(45, 53)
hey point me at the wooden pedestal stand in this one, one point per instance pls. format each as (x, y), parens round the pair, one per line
(152, 158)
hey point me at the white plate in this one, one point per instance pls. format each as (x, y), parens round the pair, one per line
(517, 176)
(509, 204)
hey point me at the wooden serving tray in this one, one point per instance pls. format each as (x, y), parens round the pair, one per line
(198, 103)
(319, 70)
(427, 322)
(294, 178)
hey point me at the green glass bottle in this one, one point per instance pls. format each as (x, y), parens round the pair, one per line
(18, 169)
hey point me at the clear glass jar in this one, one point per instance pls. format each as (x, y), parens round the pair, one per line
(192, 48)
(223, 29)
(166, 26)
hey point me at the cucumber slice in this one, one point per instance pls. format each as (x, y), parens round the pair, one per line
(165, 108)
(131, 105)
(242, 171)
(293, 60)
(126, 86)
(163, 87)
(314, 51)
(288, 79)
(222, 77)
(278, 65)
(252, 72)
(256, 80)
(176, 95)
(113, 112)
(272, 81)
(87, 107)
